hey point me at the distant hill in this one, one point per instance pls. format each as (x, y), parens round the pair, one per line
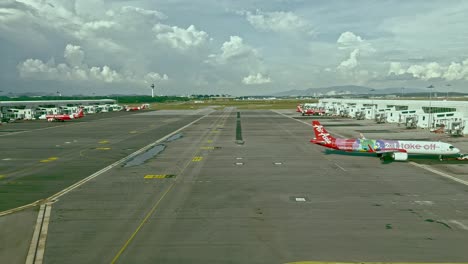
(347, 90)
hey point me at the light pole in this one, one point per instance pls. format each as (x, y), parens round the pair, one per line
(430, 105)
(152, 90)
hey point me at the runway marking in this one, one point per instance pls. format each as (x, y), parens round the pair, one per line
(43, 235)
(153, 209)
(459, 224)
(148, 215)
(49, 159)
(207, 148)
(438, 172)
(133, 132)
(197, 159)
(103, 142)
(336, 164)
(309, 124)
(94, 175)
(103, 148)
(159, 176)
(37, 246)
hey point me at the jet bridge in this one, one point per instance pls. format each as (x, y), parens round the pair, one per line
(380, 118)
(411, 122)
(456, 129)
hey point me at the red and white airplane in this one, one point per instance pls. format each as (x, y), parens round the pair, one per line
(309, 110)
(136, 108)
(384, 148)
(63, 118)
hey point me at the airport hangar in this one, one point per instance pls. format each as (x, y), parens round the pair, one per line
(452, 115)
(28, 110)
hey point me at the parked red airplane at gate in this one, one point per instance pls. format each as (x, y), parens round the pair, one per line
(309, 110)
(136, 108)
(394, 149)
(63, 118)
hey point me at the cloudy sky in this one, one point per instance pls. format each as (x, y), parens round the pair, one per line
(236, 47)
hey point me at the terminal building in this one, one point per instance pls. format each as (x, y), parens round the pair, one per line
(447, 116)
(29, 110)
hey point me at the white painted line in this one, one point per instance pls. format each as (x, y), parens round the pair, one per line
(7, 159)
(239, 163)
(459, 224)
(94, 175)
(336, 164)
(309, 124)
(300, 199)
(439, 173)
(35, 238)
(424, 202)
(43, 235)
(38, 129)
(17, 209)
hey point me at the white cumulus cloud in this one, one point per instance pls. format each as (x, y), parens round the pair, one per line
(283, 22)
(76, 70)
(432, 70)
(73, 55)
(180, 38)
(351, 62)
(152, 77)
(350, 41)
(234, 49)
(256, 79)
(395, 68)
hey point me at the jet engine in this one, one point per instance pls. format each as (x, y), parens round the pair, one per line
(399, 156)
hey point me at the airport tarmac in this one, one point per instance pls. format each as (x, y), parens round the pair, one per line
(276, 198)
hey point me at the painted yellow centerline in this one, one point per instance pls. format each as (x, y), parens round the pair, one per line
(49, 159)
(153, 209)
(148, 215)
(197, 159)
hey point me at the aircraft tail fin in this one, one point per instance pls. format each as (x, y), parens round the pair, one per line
(299, 108)
(321, 134)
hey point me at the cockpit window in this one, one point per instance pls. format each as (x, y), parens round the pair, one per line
(450, 147)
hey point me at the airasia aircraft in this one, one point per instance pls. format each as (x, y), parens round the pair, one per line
(136, 108)
(384, 148)
(63, 118)
(309, 111)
